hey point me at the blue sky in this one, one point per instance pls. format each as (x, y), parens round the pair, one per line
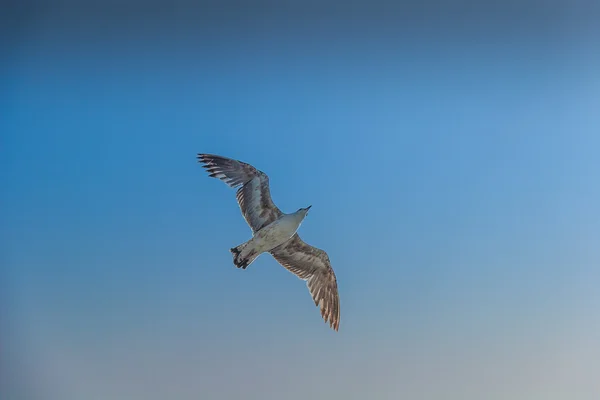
(453, 182)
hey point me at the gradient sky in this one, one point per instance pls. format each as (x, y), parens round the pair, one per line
(452, 162)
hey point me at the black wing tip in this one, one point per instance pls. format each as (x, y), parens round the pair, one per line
(207, 160)
(212, 160)
(205, 163)
(206, 156)
(208, 163)
(202, 157)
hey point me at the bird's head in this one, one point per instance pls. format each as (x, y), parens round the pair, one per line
(303, 211)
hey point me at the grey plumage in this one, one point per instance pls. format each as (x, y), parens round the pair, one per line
(267, 221)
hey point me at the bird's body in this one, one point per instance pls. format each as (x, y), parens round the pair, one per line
(276, 232)
(267, 238)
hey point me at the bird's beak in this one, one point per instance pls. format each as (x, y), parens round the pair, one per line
(308, 208)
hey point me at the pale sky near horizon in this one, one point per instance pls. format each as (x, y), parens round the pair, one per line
(453, 179)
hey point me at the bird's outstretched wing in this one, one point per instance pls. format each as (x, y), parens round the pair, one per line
(312, 265)
(253, 195)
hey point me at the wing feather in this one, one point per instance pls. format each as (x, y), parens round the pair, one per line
(312, 265)
(253, 195)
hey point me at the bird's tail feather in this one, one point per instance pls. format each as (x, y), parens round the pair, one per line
(244, 254)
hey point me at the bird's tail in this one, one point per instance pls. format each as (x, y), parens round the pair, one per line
(244, 254)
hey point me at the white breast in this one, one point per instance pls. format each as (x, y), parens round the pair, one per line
(277, 232)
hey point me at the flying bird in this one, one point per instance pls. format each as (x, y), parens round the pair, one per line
(274, 232)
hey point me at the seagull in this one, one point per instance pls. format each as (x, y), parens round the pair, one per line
(274, 232)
